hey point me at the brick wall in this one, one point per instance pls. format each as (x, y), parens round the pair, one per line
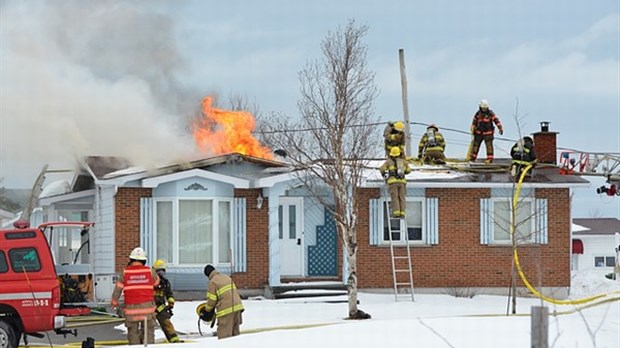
(127, 222)
(459, 260)
(546, 147)
(257, 242)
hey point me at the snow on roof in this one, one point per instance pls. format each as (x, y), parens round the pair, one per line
(55, 188)
(126, 171)
(578, 228)
(423, 172)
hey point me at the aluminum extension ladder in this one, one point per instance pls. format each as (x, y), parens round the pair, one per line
(402, 268)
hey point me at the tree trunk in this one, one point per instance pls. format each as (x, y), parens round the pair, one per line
(352, 282)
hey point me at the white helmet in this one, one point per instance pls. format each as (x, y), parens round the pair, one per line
(138, 254)
(484, 104)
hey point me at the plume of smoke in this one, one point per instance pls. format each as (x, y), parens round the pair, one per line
(90, 78)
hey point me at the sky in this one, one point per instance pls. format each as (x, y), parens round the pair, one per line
(123, 77)
(430, 321)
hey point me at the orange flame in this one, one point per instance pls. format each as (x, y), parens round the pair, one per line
(223, 131)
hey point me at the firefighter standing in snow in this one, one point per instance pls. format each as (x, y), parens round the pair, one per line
(394, 136)
(223, 302)
(523, 155)
(482, 129)
(164, 300)
(394, 170)
(137, 282)
(432, 146)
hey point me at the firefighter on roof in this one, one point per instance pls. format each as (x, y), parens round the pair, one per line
(164, 300)
(482, 129)
(431, 147)
(137, 282)
(523, 155)
(394, 170)
(394, 136)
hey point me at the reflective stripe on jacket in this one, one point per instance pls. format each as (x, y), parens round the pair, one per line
(483, 122)
(222, 295)
(438, 145)
(138, 284)
(396, 168)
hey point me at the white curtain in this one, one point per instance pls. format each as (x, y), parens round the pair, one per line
(195, 232)
(164, 231)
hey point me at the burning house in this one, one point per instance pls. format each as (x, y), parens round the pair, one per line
(245, 212)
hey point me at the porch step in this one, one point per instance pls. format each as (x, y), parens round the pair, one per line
(300, 290)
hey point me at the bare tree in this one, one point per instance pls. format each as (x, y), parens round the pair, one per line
(331, 143)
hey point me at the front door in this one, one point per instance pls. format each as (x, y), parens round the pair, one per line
(291, 236)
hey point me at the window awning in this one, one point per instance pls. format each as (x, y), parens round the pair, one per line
(577, 246)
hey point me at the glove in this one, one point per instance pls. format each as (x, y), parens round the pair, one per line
(114, 303)
(419, 156)
(501, 131)
(207, 315)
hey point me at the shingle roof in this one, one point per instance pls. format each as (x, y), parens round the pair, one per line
(598, 226)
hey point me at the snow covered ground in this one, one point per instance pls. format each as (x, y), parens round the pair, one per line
(430, 321)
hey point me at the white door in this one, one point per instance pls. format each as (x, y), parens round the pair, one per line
(291, 237)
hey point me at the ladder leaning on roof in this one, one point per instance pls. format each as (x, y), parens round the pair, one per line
(402, 274)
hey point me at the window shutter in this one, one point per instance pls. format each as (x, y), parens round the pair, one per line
(486, 220)
(542, 230)
(432, 221)
(375, 222)
(146, 225)
(239, 235)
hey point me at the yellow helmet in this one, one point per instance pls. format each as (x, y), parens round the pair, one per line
(394, 151)
(399, 126)
(159, 264)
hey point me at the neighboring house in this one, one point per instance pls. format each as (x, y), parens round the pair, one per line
(594, 244)
(253, 216)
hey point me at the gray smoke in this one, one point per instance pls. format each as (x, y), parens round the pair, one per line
(90, 78)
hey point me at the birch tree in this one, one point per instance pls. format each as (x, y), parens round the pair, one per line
(331, 142)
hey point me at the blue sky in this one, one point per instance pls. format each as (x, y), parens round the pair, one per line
(118, 77)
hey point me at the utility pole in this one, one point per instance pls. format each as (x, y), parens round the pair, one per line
(403, 82)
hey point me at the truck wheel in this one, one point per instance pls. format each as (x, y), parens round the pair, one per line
(8, 335)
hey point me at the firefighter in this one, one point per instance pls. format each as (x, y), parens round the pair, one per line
(394, 170)
(394, 136)
(482, 129)
(523, 155)
(137, 282)
(164, 300)
(432, 146)
(223, 303)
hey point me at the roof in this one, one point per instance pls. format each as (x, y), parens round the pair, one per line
(597, 226)
(478, 174)
(115, 167)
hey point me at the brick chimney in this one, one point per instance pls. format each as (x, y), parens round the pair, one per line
(545, 144)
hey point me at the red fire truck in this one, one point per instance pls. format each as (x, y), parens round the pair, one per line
(31, 295)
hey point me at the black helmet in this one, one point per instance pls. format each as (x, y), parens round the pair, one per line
(208, 270)
(528, 140)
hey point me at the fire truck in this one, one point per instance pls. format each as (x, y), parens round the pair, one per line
(602, 164)
(33, 298)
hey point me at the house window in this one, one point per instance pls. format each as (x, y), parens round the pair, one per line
(192, 232)
(604, 261)
(502, 218)
(412, 223)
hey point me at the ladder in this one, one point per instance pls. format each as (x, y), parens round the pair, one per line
(402, 269)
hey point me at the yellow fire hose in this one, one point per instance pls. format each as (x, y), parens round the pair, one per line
(515, 199)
